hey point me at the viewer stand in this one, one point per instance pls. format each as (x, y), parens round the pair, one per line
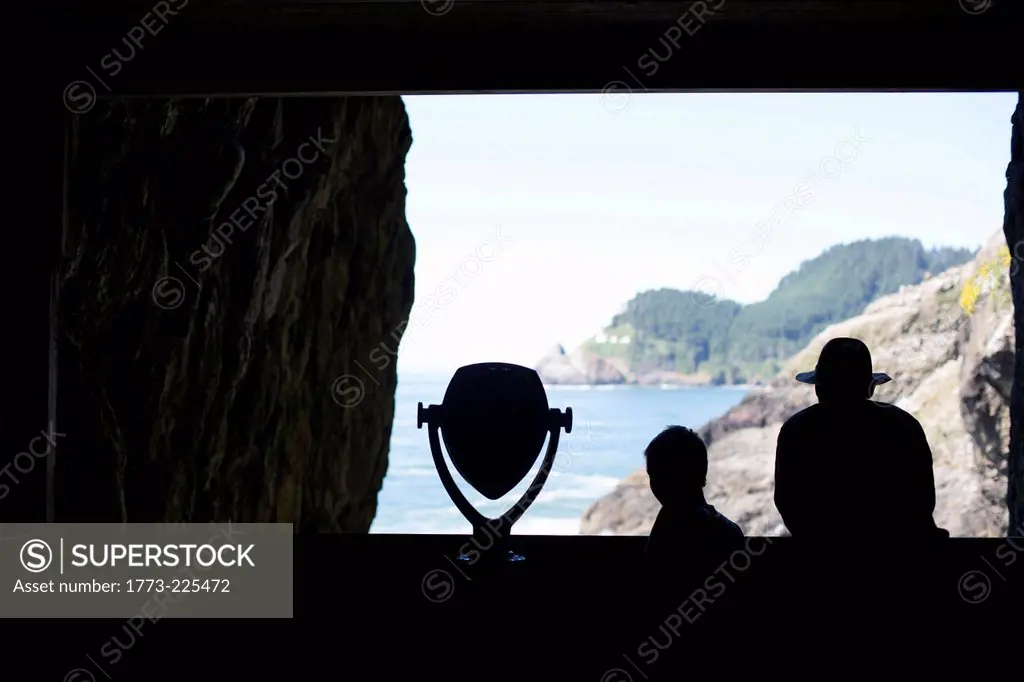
(494, 420)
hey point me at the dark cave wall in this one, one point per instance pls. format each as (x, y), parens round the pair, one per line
(216, 400)
(1013, 226)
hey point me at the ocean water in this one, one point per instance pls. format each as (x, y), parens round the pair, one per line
(611, 427)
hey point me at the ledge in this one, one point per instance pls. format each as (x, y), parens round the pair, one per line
(289, 47)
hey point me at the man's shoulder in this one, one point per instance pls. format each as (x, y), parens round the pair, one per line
(880, 410)
(804, 415)
(893, 413)
(810, 409)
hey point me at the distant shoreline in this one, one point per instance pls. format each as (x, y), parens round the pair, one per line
(445, 377)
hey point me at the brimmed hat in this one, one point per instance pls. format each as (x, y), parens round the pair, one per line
(843, 359)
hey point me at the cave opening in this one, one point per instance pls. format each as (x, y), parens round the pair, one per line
(290, 186)
(197, 58)
(665, 239)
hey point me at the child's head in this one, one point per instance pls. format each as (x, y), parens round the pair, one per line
(677, 464)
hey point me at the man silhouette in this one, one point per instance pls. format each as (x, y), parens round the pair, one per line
(677, 465)
(849, 463)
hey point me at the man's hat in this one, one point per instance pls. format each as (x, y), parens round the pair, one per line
(843, 359)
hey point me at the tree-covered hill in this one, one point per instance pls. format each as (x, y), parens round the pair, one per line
(690, 332)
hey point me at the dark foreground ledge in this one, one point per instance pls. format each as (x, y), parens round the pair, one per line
(287, 46)
(372, 607)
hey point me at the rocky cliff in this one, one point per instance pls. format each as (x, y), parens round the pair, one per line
(224, 262)
(948, 343)
(585, 368)
(579, 367)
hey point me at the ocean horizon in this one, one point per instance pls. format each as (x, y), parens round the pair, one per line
(612, 425)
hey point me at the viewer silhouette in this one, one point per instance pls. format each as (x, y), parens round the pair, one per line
(850, 463)
(677, 464)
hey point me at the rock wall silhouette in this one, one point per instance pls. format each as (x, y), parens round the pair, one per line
(1013, 227)
(224, 262)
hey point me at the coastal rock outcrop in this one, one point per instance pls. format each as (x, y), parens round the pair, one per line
(948, 353)
(986, 343)
(229, 267)
(578, 367)
(1013, 229)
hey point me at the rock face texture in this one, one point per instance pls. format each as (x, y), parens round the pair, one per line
(225, 261)
(950, 355)
(1013, 227)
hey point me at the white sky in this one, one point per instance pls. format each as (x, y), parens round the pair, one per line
(600, 206)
